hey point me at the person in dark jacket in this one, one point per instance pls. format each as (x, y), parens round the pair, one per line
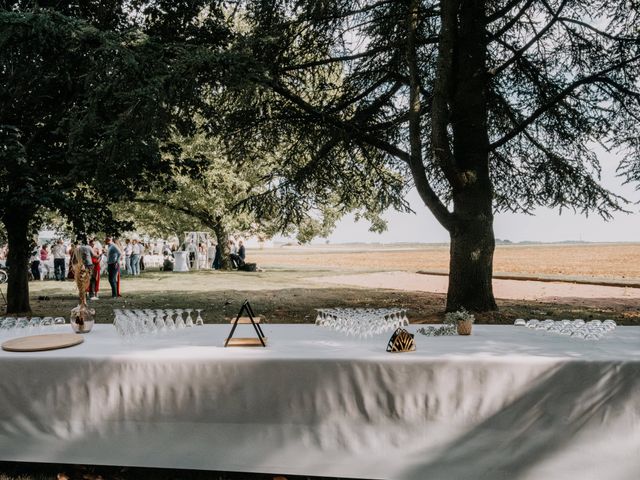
(217, 259)
(113, 266)
(241, 250)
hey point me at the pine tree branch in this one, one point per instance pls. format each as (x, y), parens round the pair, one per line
(327, 61)
(594, 78)
(598, 31)
(530, 43)
(498, 14)
(416, 163)
(204, 217)
(429, 196)
(512, 21)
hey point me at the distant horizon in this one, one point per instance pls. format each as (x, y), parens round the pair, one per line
(319, 242)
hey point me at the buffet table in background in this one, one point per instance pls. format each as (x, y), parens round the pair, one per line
(505, 403)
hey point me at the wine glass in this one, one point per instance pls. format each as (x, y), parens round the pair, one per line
(21, 324)
(119, 323)
(34, 324)
(169, 322)
(199, 320)
(161, 326)
(7, 325)
(179, 323)
(46, 323)
(188, 322)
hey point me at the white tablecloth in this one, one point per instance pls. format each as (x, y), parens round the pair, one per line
(181, 264)
(506, 402)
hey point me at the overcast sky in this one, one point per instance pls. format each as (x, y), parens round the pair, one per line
(546, 226)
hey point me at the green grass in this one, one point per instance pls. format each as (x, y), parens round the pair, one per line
(288, 296)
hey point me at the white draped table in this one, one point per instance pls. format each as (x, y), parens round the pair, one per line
(505, 403)
(181, 261)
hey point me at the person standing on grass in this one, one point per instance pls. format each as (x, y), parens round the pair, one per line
(94, 282)
(127, 256)
(72, 260)
(35, 263)
(217, 258)
(113, 266)
(143, 250)
(59, 253)
(136, 250)
(44, 262)
(86, 252)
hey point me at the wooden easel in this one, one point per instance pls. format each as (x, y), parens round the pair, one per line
(255, 321)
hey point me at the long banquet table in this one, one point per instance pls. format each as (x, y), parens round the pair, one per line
(505, 403)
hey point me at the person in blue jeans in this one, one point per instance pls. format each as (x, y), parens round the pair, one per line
(113, 266)
(136, 251)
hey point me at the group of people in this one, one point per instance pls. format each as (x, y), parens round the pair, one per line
(237, 254)
(92, 256)
(133, 256)
(201, 256)
(57, 259)
(88, 256)
(40, 261)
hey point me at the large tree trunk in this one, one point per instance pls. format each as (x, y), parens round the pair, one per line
(471, 255)
(472, 238)
(222, 236)
(17, 225)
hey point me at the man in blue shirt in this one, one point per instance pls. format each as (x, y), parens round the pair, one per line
(113, 266)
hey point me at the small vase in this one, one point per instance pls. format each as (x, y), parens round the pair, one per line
(82, 319)
(464, 327)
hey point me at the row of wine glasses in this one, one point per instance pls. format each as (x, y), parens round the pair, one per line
(18, 326)
(134, 323)
(362, 322)
(578, 328)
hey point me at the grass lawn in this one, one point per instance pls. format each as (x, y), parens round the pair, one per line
(289, 295)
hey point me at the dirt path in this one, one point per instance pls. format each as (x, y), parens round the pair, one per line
(503, 289)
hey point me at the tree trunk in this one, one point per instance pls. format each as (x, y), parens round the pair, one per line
(472, 238)
(17, 225)
(222, 237)
(471, 256)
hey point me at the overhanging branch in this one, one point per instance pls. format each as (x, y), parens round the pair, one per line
(531, 42)
(594, 78)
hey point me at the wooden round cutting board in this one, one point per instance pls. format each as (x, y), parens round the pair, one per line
(39, 343)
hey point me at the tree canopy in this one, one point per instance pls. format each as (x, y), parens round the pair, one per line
(489, 106)
(482, 106)
(85, 120)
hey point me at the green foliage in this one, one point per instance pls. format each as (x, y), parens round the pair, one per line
(461, 315)
(86, 116)
(85, 119)
(562, 77)
(215, 200)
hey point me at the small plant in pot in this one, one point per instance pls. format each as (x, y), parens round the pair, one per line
(462, 319)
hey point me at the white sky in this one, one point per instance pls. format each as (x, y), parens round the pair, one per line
(546, 226)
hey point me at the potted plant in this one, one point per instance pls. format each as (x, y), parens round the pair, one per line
(462, 319)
